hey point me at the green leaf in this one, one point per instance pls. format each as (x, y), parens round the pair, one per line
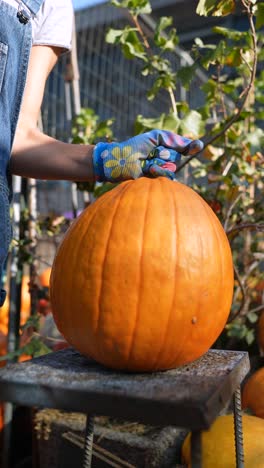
(113, 35)
(32, 321)
(35, 347)
(237, 330)
(163, 122)
(136, 7)
(252, 317)
(205, 7)
(100, 189)
(186, 75)
(256, 140)
(192, 124)
(215, 8)
(230, 33)
(164, 80)
(260, 15)
(131, 45)
(163, 23)
(233, 59)
(103, 129)
(130, 51)
(250, 337)
(169, 41)
(215, 56)
(172, 41)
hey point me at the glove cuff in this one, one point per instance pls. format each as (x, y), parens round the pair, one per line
(98, 165)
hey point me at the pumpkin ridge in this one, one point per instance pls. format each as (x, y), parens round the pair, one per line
(184, 337)
(140, 274)
(75, 266)
(57, 271)
(212, 223)
(63, 265)
(122, 190)
(220, 251)
(198, 304)
(205, 206)
(100, 202)
(174, 283)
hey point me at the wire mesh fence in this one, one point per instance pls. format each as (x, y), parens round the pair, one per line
(110, 84)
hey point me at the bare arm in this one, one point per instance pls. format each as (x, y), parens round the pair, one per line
(37, 155)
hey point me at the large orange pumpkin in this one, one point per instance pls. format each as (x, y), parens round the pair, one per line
(143, 279)
(253, 393)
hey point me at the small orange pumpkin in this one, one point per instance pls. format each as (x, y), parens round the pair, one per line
(253, 393)
(25, 300)
(143, 279)
(4, 311)
(25, 306)
(218, 443)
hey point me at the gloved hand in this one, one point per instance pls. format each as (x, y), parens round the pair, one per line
(152, 154)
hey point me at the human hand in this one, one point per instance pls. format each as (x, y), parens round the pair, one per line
(152, 154)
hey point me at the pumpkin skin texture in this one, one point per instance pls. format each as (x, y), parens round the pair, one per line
(253, 393)
(218, 443)
(143, 279)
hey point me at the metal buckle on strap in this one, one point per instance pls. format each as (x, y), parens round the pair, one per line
(23, 14)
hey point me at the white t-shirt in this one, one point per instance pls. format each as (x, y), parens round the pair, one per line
(53, 23)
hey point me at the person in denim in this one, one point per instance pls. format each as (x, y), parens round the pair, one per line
(27, 152)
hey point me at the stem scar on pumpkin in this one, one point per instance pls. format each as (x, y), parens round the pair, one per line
(194, 320)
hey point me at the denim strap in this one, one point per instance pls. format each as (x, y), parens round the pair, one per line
(33, 5)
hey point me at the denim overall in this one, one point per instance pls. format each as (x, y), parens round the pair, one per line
(15, 45)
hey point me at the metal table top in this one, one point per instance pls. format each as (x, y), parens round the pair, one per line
(190, 396)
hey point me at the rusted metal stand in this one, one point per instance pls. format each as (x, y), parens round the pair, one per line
(238, 430)
(88, 442)
(190, 397)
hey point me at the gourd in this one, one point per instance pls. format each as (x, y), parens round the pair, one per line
(253, 393)
(218, 443)
(143, 279)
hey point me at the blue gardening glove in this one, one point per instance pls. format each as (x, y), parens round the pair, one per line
(151, 154)
(161, 162)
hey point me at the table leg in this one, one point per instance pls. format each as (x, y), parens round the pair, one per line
(88, 443)
(196, 449)
(238, 429)
(7, 435)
